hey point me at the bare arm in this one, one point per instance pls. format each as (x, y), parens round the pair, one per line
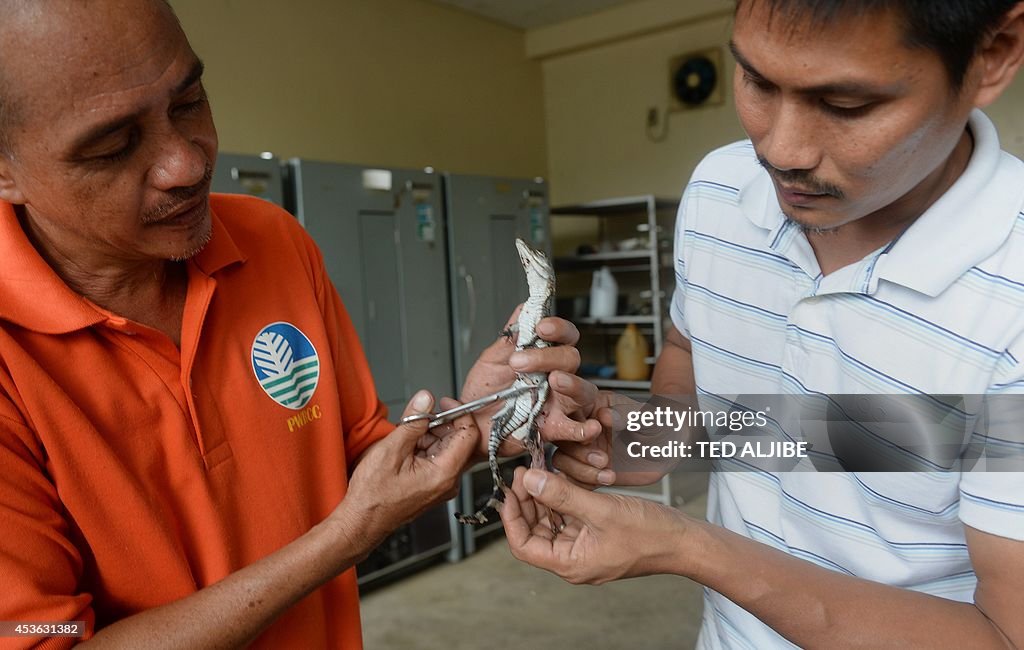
(814, 607)
(394, 480)
(610, 537)
(673, 373)
(233, 612)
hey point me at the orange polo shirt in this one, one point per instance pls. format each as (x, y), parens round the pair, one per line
(133, 474)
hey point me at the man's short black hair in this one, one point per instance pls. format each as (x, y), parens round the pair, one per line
(953, 29)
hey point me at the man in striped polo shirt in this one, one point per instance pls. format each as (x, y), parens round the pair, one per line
(867, 240)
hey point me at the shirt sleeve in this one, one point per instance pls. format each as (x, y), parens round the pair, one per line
(678, 307)
(992, 487)
(40, 568)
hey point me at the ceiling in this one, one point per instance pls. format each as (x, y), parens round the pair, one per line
(527, 14)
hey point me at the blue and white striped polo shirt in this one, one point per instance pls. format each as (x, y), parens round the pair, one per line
(938, 311)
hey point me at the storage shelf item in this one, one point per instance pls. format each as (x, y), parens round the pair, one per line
(606, 257)
(646, 221)
(623, 384)
(618, 206)
(644, 274)
(616, 320)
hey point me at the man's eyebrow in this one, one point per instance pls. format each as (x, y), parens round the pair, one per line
(194, 75)
(839, 88)
(100, 131)
(742, 60)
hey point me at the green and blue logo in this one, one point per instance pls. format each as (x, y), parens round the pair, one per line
(286, 364)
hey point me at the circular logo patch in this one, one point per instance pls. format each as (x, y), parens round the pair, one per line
(286, 364)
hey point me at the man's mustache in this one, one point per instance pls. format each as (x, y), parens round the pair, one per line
(178, 197)
(802, 179)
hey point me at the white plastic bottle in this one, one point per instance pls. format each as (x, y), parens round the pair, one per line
(604, 294)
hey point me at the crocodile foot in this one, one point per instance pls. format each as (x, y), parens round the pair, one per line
(483, 515)
(510, 332)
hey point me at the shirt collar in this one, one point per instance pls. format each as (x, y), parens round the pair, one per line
(760, 204)
(965, 225)
(33, 296)
(221, 250)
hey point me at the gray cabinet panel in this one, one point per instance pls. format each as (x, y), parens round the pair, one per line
(505, 259)
(382, 306)
(384, 250)
(484, 216)
(245, 174)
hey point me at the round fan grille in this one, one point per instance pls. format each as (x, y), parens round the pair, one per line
(694, 80)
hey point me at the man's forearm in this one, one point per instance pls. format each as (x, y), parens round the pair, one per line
(814, 607)
(235, 610)
(673, 372)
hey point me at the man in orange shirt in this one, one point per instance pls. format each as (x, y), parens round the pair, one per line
(191, 448)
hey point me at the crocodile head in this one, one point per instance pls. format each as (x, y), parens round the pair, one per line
(535, 263)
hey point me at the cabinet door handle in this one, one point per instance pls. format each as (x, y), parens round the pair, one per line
(239, 174)
(467, 332)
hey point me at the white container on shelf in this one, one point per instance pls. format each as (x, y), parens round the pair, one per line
(604, 294)
(631, 352)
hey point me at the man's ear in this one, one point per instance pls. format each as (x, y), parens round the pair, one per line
(9, 190)
(1000, 57)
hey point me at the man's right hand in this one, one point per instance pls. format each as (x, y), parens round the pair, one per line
(405, 473)
(590, 463)
(394, 480)
(586, 461)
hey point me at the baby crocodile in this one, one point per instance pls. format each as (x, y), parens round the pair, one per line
(518, 417)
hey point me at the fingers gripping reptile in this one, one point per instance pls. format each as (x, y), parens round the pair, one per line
(518, 417)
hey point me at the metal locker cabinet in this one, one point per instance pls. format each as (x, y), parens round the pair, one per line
(382, 236)
(384, 250)
(244, 174)
(484, 216)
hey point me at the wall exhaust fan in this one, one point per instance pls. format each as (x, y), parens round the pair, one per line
(695, 79)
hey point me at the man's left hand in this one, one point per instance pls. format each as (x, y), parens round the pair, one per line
(605, 536)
